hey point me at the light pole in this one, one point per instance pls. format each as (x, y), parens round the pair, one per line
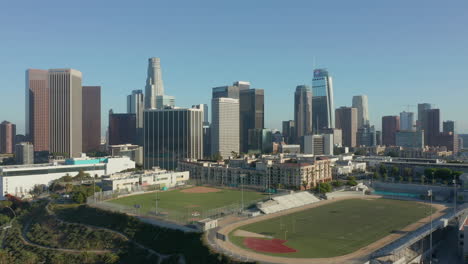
(242, 191)
(429, 193)
(454, 196)
(157, 202)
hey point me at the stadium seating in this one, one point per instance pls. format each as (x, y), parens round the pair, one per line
(284, 202)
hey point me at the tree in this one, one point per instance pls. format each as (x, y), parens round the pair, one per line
(410, 179)
(4, 219)
(305, 184)
(324, 187)
(407, 172)
(429, 173)
(217, 157)
(400, 179)
(79, 197)
(337, 184)
(385, 177)
(37, 190)
(395, 171)
(444, 174)
(422, 179)
(382, 169)
(360, 152)
(393, 154)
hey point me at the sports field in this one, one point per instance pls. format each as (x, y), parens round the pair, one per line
(329, 230)
(191, 199)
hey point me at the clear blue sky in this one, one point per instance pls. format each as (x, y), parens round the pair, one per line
(397, 52)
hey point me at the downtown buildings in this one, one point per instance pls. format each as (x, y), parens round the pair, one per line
(346, 120)
(323, 111)
(7, 137)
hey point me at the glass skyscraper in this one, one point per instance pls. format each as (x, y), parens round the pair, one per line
(323, 115)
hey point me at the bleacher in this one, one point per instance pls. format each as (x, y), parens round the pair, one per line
(284, 202)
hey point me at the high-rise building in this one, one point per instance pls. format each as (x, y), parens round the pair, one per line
(346, 120)
(251, 114)
(323, 108)
(206, 130)
(224, 126)
(37, 108)
(366, 136)
(230, 91)
(421, 124)
(318, 144)
(432, 126)
(337, 135)
(409, 139)
(91, 118)
(448, 126)
(7, 137)
(260, 140)
(378, 138)
(204, 108)
(24, 153)
(289, 131)
(135, 105)
(360, 102)
(122, 129)
(65, 112)
(302, 111)
(172, 135)
(154, 83)
(165, 101)
(390, 125)
(449, 140)
(407, 121)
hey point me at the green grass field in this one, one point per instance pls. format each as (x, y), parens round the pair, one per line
(338, 228)
(182, 202)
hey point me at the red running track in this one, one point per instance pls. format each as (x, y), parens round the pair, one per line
(268, 246)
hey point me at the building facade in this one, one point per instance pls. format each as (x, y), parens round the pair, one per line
(24, 153)
(323, 108)
(432, 126)
(91, 118)
(171, 135)
(154, 83)
(224, 126)
(390, 125)
(302, 112)
(448, 126)
(346, 120)
(366, 136)
(122, 129)
(318, 144)
(407, 121)
(251, 114)
(37, 108)
(7, 137)
(260, 141)
(422, 108)
(410, 139)
(360, 102)
(289, 131)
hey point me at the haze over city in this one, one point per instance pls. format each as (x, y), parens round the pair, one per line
(399, 53)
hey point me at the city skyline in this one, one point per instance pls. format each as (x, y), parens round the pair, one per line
(411, 75)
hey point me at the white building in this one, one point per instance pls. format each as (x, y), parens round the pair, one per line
(361, 103)
(318, 144)
(130, 181)
(225, 126)
(18, 180)
(407, 122)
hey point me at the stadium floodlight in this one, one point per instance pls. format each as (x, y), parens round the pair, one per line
(242, 176)
(429, 193)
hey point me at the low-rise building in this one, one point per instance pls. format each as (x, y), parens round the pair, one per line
(134, 152)
(134, 180)
(19, 180)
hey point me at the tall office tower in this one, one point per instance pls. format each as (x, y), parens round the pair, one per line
(432, 126)
(154, 83)
(360, 102)
(448, 126)
(65, 112)
(289, 131)
(448, 140)
(378, 138)
(407, 121)
(346, 120)
(37, 108)
(91, 118)
(410, 139)
(230, 91)
(318, 144)
(135, 105)
(171, 135)
(204, 108)
(122, 129)
(337, 135)
(302, 112)
(390, 125)
(251, 114)
(421, 123)
(164, 101)
(7, 137)
(224, 126)
(260, 141)
(24, 153)
(323, 115)
(366, 136)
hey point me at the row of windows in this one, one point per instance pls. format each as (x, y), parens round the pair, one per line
(53, 170)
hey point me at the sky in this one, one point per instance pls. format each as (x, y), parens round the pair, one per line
(398, 52)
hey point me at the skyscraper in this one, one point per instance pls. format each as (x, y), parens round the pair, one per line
(224, 126)
(251, 114)
(323, 115)
(37, 108)
(24, 153)
(230, 91)
(164, 101)
(122, 128)
(7, 137)
(302, 111)
(390, 125)
(366, 136)
(91, 118)
(289, 131)
(409, 139)
(65, 112)
(421, 123)
(318, 144)
(171, 135)
(407, 121)
(154, 83)
(204, 108)
(135, 105)
(448, 126)
(346, 120)
(432, 126)
(360, 102)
